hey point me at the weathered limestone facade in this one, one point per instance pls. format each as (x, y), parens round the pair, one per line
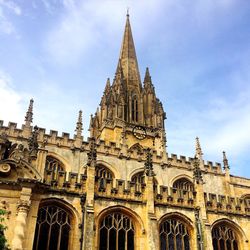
(63, 193)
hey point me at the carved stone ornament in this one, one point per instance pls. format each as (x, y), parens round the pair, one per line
(5, 169)
(23, 206)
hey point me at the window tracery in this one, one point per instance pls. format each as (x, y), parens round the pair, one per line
(52, 228)
(53, 164)
(174, 235)
(183, 184)
(103, 174)
(116, 232)
(224, 238)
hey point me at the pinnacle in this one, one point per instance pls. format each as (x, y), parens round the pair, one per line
(198, 151)
(79, 125)
(225, 160)
(147, 78)
(29, 114)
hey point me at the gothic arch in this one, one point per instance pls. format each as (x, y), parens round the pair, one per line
(233, 225)
(138, 224)
(115, 172)
(137, 147)
(184, 176)
(67, 167)
(56, 225)
(177, 231)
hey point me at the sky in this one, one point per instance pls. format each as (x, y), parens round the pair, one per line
(60, 52)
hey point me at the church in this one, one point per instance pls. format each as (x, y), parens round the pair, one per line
(119, 189)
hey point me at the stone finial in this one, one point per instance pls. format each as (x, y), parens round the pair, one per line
(198, 151)
(107, 87)
(197, 173)
(225, 161)
(147, 77)
(92, 154)
(148, 166)
(29, 114)
(79, 125)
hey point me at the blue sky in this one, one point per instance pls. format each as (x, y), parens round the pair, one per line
(60, 52)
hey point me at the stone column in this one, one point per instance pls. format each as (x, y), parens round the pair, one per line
(22, 213)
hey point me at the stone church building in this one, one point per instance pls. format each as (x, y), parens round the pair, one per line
(119, 189)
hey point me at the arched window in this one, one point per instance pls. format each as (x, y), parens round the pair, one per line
(103, 172)
(224, 238)
(103, 175)
(134, 109)
(53, 165)
(116, 232)
(174, 235)
(183, 184)
(139, 178)
(52, 228)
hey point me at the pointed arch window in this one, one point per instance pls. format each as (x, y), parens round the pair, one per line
(116, 232)
(224, 238)
(174, 235)
(139, 179)
(53, 165)
(52, 228)
(134, 109)
(183, 184)
(102, 175)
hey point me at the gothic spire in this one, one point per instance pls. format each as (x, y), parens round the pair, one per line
(79, 125)
(128, 58)
(29, 114)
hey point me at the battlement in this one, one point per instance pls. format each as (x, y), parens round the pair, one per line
(119, 189)
(226, 204)
(187, 162)
(70, 182)
(174, 197)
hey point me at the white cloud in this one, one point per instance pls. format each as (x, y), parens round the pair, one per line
(6, 26)
(11, 6)
(11, 102)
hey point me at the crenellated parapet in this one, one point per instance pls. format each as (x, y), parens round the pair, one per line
(226, 204)
(184, 162)
(169, 196)
(65, 181)
(119, 190)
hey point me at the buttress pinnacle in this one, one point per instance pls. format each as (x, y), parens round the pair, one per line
(29, 114)
(79, 125)
(198, 151)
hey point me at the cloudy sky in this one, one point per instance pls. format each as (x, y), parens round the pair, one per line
(60, 52)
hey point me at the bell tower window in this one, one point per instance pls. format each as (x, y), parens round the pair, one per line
(134, 109)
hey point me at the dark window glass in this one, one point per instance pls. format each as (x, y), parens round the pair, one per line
(224, 238)
(116, 232)
(174, 235)
(52, 229)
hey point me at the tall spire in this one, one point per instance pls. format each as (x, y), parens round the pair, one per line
(29, 114)
(128, 58)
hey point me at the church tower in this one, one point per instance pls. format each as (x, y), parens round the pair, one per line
(130, 113)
